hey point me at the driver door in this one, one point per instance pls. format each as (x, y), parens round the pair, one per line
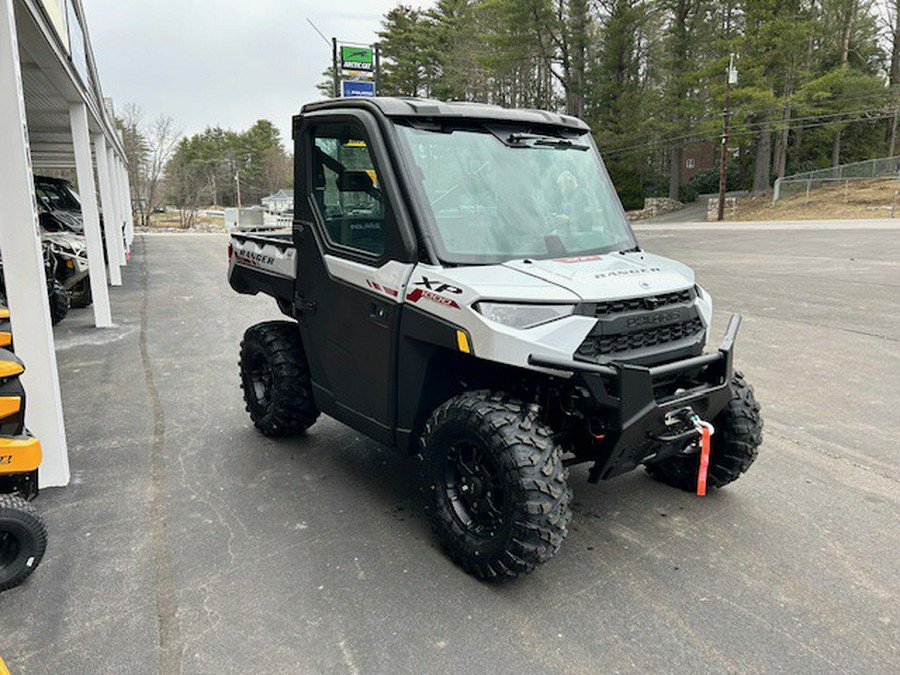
(353, 262)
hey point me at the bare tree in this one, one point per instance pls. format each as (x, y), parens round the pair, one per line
(847, 11)
(891, 17)
(131, 123)
(148, 147)
(161, 139)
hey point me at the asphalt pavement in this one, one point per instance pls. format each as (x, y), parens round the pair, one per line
(187, 542)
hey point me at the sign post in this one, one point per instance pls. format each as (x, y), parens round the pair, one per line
(335, 73)
(355, 69)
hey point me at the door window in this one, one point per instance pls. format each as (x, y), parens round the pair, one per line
(347, 189)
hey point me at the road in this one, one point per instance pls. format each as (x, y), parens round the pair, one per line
(189, 543)
(692, 212)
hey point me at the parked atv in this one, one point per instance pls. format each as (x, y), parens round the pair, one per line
(23, 536)
(462, 284)
(59, 212)
(70, 265)
(59, 205)
(56, 294)
(58, 298)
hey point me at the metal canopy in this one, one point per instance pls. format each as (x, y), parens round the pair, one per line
(53, 116)
(50, 81)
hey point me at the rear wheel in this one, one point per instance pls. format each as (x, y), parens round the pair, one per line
(733, 448)
(499, 492)
(275, 379)
(23, 540)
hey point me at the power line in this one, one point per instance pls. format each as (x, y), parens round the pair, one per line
(882, 94)
(770, 125)
(885, 93)
(773, 123)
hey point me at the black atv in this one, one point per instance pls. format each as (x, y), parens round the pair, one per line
(57, 296)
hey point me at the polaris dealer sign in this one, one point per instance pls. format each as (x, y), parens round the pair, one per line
(355, 88)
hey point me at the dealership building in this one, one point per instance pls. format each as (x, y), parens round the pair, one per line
(54, 116)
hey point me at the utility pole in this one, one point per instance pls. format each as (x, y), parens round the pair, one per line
(237, 182)
(730, 78)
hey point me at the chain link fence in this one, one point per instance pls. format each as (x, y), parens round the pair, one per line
(885, 167)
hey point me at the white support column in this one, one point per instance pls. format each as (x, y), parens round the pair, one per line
(84, 169)
(129, 208)
(23, 264)
(110, 216)
(126, 204)
(119, 219)
(120, 210)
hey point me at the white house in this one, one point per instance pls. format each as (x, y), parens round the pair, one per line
(280, 202)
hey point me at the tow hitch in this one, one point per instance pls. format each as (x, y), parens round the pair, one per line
(706, 430)
(687, 417)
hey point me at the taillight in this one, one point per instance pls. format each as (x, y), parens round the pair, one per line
(229, 251)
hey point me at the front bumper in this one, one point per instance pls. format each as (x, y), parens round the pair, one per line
(75, 264)
(643, 429)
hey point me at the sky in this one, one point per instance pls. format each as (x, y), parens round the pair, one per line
(222, 62)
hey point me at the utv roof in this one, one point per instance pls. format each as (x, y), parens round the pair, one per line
(50, 179)
(430, 108)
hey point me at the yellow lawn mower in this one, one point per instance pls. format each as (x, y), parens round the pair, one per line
(5, 329)
(23, 536)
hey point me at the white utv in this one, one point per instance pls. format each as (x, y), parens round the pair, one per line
(463, 285)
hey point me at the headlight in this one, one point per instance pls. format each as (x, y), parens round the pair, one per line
(522, 316)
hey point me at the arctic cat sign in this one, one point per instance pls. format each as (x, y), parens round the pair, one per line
(357, 58)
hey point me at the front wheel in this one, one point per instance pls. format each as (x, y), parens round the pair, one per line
(275, 379)
(499, 492)
(80, 294)
(23, 540)
(59, 301)
(733, 447)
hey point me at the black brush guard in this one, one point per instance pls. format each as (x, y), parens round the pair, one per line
(644, 432)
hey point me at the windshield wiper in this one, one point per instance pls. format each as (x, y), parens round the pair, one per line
(544, 141)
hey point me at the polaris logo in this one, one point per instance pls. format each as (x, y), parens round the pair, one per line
(653, 319)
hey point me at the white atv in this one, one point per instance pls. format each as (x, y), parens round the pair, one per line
(463, 285)
(70, 266)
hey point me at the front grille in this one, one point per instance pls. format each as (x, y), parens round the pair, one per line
(607, 345)
(644, 304)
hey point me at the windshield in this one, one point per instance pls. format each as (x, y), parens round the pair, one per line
(57, 196)
(501, 194)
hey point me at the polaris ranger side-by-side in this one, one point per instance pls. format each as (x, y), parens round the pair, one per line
(463, 284)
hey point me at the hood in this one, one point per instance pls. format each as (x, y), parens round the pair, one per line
(70, 220)
(610, 276)
(498, 282)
